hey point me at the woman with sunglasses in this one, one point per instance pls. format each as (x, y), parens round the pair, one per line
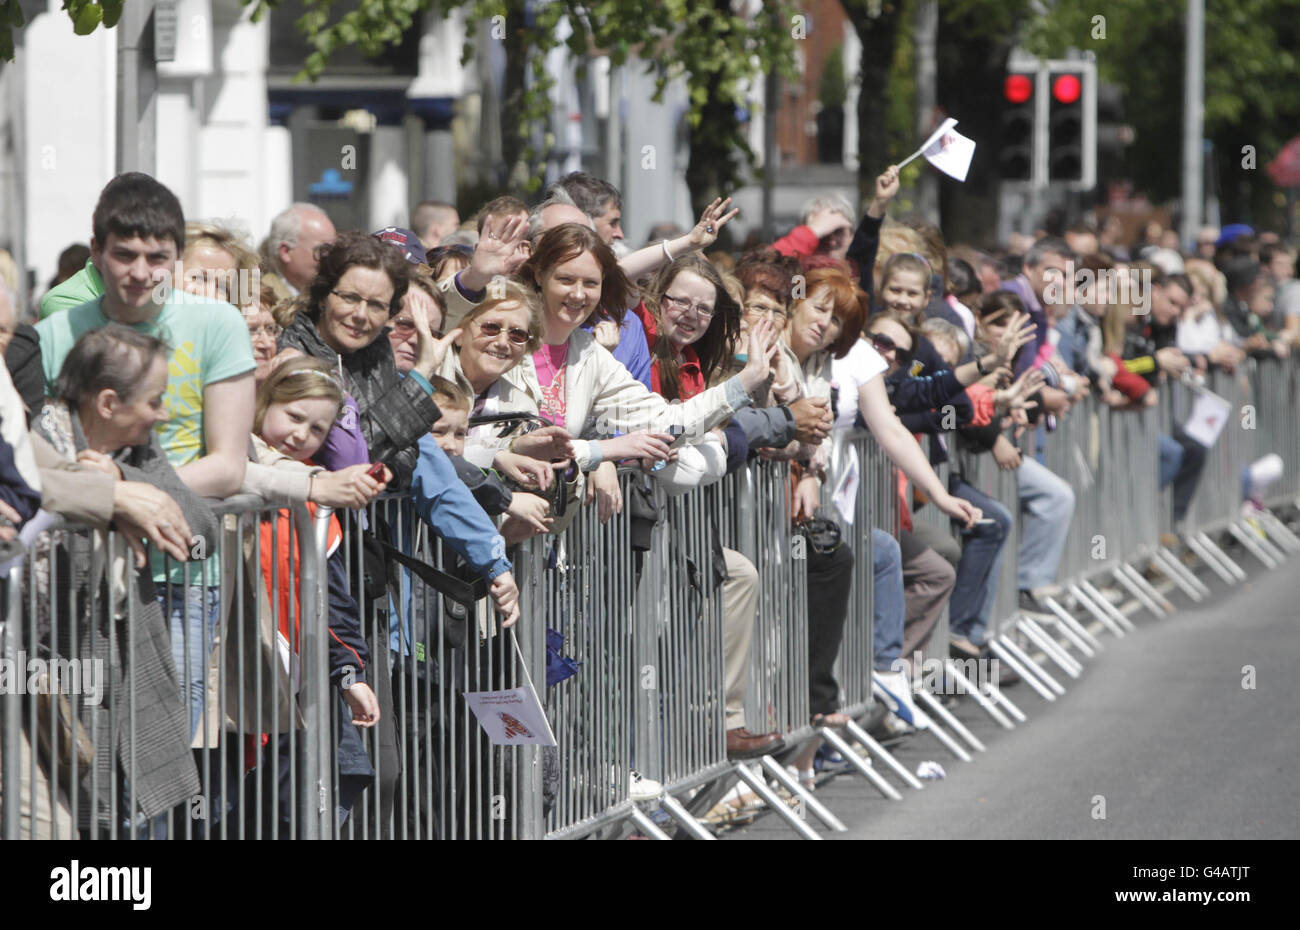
(972, 588)
(495, 336)
(893, 337)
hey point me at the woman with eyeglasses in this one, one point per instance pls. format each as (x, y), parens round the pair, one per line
(357, 290)
(263, 331)
(691, 323)
(571, 381)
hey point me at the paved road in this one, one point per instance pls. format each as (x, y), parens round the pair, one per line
(1159, 725)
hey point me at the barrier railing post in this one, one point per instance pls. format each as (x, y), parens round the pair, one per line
(11, 703)
(316, 748)
(532, 644)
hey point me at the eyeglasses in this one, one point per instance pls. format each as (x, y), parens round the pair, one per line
(270, 330)
(884, 345)
(374, 306)
(516, 335)
(778, 315)
(682, 304)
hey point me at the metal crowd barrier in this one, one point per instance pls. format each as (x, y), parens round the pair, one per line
(84, 760)
(635, 604)
(1261, 419)
(759, 527)
(875, 504)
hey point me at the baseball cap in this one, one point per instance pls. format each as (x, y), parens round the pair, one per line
(404, 239)
(1233, 231)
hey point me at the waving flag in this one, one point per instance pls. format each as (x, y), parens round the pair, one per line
(948, 150)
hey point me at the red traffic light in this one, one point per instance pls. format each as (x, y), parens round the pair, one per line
(1018, 87)
(1066, 88)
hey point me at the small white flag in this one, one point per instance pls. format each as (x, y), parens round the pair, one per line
(511, 718)
(1209, 415)
(948, 150)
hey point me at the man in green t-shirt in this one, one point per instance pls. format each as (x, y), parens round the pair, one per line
(139, 232)
(85, 285)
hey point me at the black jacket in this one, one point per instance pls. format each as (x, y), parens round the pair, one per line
(23, 359)
(395, 411)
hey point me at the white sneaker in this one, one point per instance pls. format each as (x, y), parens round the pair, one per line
(897, 691)
(641, 788)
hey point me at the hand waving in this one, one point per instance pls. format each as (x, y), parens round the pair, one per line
(714, 217)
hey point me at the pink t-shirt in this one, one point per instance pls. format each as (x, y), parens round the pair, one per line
(551, 365)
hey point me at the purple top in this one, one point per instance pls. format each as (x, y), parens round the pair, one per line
(632, 349)
(345, 445)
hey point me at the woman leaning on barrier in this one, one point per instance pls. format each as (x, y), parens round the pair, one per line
(578, 387)
(110, 394)
(342, 320)
(692, 325)
(824, 325)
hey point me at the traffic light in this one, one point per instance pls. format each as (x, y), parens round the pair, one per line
(1065, 147)
(1113, 135)
(1016, 154)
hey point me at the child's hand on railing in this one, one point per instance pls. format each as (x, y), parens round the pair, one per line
(349, 487)
(363, 704)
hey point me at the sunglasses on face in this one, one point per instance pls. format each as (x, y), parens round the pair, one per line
(406, 329)
(516, 335)
(884, 345)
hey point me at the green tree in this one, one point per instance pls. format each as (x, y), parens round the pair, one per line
(86, 16)
(718, 52)
(1252, 86)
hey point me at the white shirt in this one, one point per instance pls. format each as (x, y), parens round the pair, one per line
(1197, 336)
(849, 374)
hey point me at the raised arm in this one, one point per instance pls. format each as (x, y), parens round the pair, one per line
(644, 261)
(906, 453)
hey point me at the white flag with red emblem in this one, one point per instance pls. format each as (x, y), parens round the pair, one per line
(948, 150)
(1209, 415)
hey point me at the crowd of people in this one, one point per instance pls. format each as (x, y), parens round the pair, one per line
(499, 371)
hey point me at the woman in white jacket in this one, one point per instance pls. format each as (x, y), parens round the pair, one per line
(581, 389)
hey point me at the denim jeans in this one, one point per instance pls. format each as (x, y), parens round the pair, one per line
(1182, 459)
(887, 608)
(1046, 508)
(977, 571)
(192, 612)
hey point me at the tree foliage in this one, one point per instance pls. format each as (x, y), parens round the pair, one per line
(1252, 82)
(718, 50)
(86, 16)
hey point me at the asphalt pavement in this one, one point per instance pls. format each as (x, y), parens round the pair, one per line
(1159, 735)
